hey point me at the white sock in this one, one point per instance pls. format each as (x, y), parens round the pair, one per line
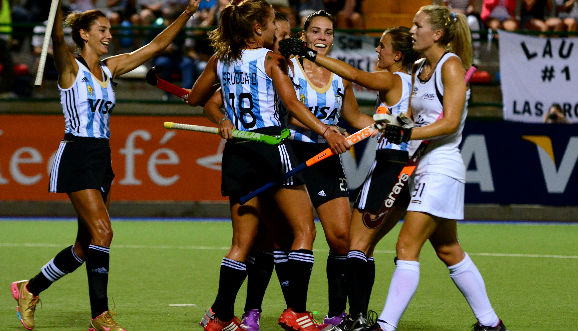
(401, 289)
(468, 279)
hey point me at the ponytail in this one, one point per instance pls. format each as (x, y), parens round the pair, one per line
(236, 23)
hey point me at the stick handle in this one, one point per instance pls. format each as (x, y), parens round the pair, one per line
(190, 127)
(46, 43)
(352, 139)
(247, 135)
(172, 89)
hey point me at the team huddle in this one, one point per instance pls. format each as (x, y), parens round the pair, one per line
(262, 80)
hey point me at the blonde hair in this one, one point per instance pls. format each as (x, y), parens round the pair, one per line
(236, 27)
(456, 35)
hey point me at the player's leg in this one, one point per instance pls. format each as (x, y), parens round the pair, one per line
(464, 273)
(245, 221)
(292, 202)
(335, 218)
(259, 265)
(415, 230)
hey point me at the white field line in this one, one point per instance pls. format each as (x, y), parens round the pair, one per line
(213, 248)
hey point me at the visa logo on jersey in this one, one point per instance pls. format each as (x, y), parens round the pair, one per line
(101, 106)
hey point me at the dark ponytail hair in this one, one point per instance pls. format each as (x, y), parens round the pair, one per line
(82, 20)
(401, 41)
(236, 27)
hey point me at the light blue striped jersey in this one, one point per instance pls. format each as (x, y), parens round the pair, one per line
(248, 93)
(400, 107)
(325, 102)
(88, 103)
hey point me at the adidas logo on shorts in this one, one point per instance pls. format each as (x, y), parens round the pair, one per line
(322, 193)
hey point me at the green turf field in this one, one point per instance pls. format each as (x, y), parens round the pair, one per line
(164, 276)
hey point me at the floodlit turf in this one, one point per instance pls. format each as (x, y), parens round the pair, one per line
(164, 276)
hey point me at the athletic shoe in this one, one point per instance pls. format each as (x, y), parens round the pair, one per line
(26, 303)
(250, 320)
(215, 324)
(208, 316)
(335, 320)
(292, 321)
(357, 322)
(499, 327)
(104, 322)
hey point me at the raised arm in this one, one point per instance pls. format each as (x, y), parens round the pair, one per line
(63, 58)
(126, 62)
(379, 80)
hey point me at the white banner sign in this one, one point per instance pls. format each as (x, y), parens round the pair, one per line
(537, 72)
(359, 52)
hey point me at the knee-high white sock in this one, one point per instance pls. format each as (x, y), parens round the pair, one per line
(401, 289)
(468, 279)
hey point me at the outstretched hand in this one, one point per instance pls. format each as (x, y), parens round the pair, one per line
(294, 46)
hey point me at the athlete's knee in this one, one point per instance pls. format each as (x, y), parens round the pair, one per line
(338, 241)
(407, 249)
(102, 233)
(450, 254)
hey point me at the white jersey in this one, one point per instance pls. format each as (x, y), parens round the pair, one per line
(248, 94)
(442, 155)
(88, 103)
(325, 103)
(400, 107)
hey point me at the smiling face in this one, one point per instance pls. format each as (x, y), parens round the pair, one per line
(421, 32)
(386, 55)
(98, 36)
(319, 34)
(282, 31)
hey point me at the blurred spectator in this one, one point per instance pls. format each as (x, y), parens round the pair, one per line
(568, 13)
(555, 115)
(149, 11)
(174, 62)
(499, 15)
(305, 7)
(6, 63)
(347, 13)
(37, 42)
(467, 8)
(123, 13)
(82, 5)
(534, 17)
(285, 8)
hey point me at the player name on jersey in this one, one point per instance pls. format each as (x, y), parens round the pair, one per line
(239, 77)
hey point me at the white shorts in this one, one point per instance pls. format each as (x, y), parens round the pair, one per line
(438, 195)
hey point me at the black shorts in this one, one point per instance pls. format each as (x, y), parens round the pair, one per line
(81, 163)
(325, 180)
(248, 165)
(380, 180)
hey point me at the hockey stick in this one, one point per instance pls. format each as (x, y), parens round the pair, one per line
(47, 33)
(403, 177)
(154, 79)
(352, 139)
(247, 135)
